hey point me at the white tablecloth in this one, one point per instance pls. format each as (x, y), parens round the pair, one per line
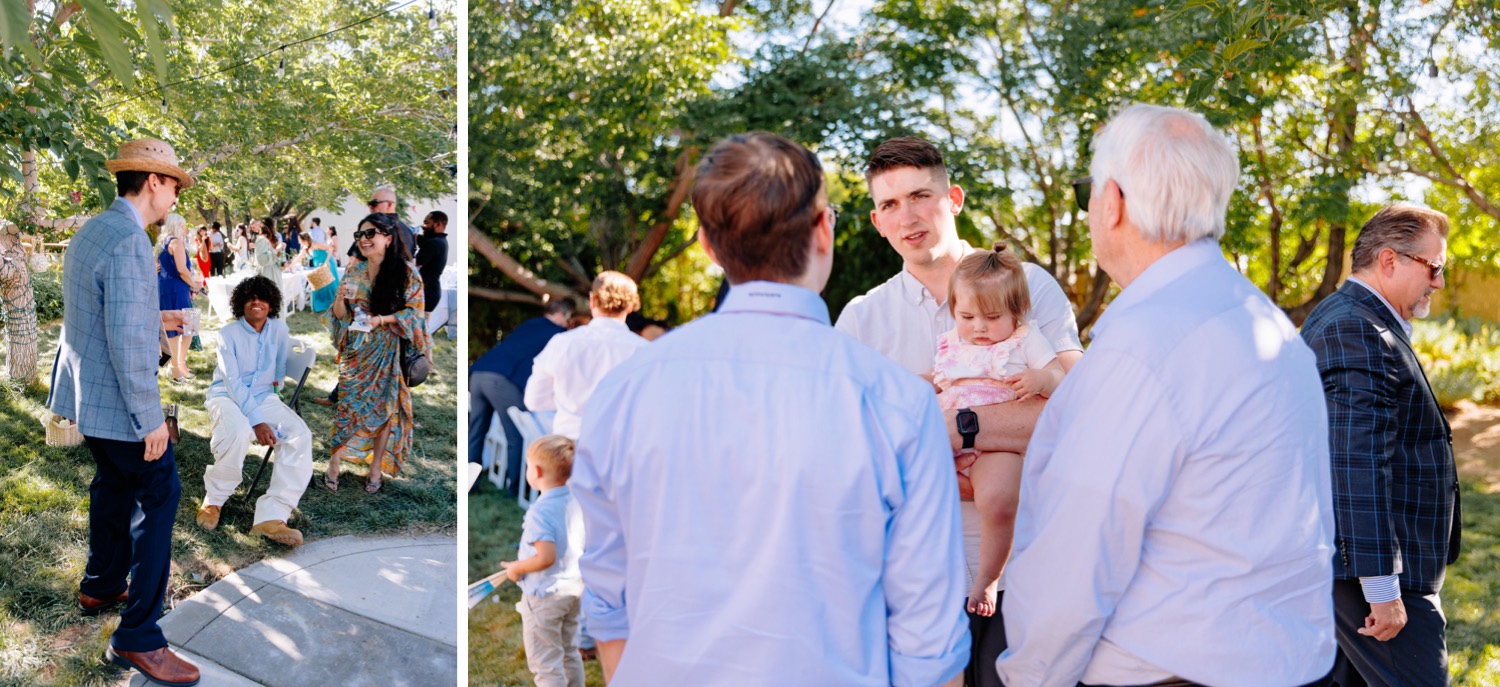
(295, 292)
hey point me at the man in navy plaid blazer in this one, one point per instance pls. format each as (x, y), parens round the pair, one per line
(104, 379)
(1395, 487)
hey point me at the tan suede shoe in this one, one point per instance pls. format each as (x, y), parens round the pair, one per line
(278, 532)
(208, 517)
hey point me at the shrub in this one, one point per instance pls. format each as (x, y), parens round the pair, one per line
(1461, 357)
(46, 287)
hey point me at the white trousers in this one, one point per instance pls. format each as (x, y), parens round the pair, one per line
(291, 467)
(549, 631)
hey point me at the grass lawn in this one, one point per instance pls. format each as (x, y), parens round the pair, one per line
(495, 653)
(1471, 594)
(44, 507)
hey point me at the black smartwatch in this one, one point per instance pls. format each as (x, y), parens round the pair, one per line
(968, 426)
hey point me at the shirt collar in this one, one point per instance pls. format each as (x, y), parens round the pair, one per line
(1406, 325)
(1167, 269)
(129, 209)
(553, 493)
(777, 299)
(607, 323)
(912, 289)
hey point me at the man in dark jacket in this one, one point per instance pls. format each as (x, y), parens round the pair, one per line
(1395, 486)
(432, 257)
(497, 381)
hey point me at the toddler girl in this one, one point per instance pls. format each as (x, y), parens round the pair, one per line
(992, 355)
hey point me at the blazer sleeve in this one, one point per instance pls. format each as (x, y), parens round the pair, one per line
(1356, 363)
(129, 301)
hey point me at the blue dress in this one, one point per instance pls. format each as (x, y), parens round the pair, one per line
(173, 292)
(322, 299)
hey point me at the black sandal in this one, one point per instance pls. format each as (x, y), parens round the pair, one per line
(330, 483)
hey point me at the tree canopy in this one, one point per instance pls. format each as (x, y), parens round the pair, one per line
(588, 116)
(315, 105)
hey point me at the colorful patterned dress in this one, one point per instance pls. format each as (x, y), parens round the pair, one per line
(371, 390)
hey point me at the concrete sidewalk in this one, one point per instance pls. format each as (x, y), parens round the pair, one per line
(348, 611)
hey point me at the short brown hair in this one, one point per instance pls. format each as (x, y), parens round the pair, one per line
(553, 454)
(907, 151)
(756, 197)
(614, 294)
(1398, 227)
(998, 281)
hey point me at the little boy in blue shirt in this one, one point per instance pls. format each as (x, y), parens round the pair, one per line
(547, 567)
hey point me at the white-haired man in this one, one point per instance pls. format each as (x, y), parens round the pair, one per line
(1176, 520)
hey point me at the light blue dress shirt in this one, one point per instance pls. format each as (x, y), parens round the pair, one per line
(1176, 513)
(251, 364)
(554, 517)
(769, 502)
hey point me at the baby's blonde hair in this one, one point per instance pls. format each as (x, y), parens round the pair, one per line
(554, 453)
(997, 280)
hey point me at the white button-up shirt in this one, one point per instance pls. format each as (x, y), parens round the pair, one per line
(902, 320)
(1176, 513)
(564, 374)
(768, 502)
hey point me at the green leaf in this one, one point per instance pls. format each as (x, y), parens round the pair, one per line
(150, 11)
(110, 30)
(1240, 47)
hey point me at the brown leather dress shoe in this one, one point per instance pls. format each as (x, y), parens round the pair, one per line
(88, 605)
(161, 665)
(208, 517)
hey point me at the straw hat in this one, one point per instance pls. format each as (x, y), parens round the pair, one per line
(149, 155)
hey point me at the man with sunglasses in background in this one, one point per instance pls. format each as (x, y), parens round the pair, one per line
(1395, 486)
(915, 210)
(104, 378)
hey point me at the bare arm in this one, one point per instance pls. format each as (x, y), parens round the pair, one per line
(1002, 427)
(546, 555)
(179, 258)
(609, 657)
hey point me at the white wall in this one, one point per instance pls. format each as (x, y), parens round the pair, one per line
(355, 209)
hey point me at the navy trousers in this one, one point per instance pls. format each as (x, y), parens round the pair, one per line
(1416, 657)
(490, 392)
(132, 506)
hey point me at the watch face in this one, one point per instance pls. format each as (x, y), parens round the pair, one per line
(968, 422)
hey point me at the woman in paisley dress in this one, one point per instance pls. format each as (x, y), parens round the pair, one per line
(373, 420)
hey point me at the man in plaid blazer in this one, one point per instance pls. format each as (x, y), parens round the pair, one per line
(1395, 487)
(104, 379)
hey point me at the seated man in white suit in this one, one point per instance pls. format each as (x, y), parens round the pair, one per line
(243, 405)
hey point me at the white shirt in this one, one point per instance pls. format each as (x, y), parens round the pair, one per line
(1176, 513)
(570, 366)
(768, 502)
(318, 234)
(902, 321)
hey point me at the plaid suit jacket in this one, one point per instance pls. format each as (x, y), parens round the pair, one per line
(104, 376)
(1395, 486)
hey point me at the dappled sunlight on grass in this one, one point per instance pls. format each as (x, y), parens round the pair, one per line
(1471, 594)
(44, 506)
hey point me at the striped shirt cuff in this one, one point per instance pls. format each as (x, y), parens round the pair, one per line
(1380, 589)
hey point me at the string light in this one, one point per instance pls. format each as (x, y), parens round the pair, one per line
(1400, 134)
(281, 66)
(1432, 69)
(431, 18)
(164, 104)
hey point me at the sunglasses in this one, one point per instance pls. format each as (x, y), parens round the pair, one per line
(369, 233)
(1434, 269)
(1083, 189)
(176, 185)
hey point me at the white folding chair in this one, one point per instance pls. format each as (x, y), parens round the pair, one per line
(533, 425)
(298, 364)
(495, 455)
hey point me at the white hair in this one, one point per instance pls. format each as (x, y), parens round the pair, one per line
(1174, 169)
